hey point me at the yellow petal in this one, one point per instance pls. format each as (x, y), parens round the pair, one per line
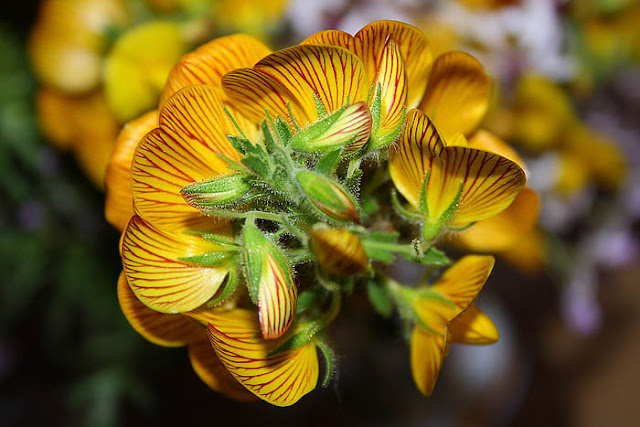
(457, 96)
(391, 78)
(138, 64)
(489, 184)
(503, 231)
(151, 261)
(473, 327)
(369, 43)
(277, 297)
(169, 330)
(487, 141)
(412, 157)
(462, 282)
(280, 379)
(427, 353)
(119, 200)
(530, 254)
(255, 94)
(208, 63)
(185, 149)
(332, 74)
(206, 364)
(414, 49)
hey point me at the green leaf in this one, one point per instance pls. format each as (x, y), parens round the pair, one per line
(379, 298)
(328, 162)
(432, 257)
(284, 133)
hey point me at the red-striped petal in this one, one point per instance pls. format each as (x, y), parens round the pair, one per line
(332, 74)
(185, 149)
(151, 261)
(280, 379)
(489, 183)
(119, 200)
(207, 64)
(168, 330)
(413, 156)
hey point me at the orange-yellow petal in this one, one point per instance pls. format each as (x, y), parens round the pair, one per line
(461, 283)
(160, 280)
(458, 93)
(280, 379)
(255, 94)
(487, 141)
(414, 49)
(332, 74)
(427, 354)
(369, 42)
(206, 364)
(208, 63)
(169, 330)
(277, 297)
(413, 156)
(185, 148)
(488, 183)
(503, 231)
(391, 79)
(473, 327)
(119, 199)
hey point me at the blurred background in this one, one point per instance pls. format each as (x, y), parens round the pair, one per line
(565, 295)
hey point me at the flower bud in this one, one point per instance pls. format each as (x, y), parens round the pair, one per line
(217, 192)
(339, 251)
(270, 282)
(328, 197)
(348, 127)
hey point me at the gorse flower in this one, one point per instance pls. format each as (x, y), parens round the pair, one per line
(258, 190)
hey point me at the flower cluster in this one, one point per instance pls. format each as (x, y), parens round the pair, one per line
(268, 185)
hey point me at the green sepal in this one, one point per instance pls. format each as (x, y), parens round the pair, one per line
(379, 298)
(329, 359)
(212, 237)
(228, 288)
(424, 206)
(213, 259)
(218, 192)
(378, 142)
(305, 333)
(310, 138)
(432, 257)
(308, 299)
(376, 108)
(284, 133)
(328, 162)
(322, 112)
(402, 211)
(269, 143)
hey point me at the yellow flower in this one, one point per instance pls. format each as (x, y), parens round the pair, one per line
(452, 186)
(339, 251)
(137, 66)
(444, 312)
(334, 93)
(69, 39)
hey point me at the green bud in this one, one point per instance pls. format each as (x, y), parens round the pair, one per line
(222, 191)
(328, 197)
(349, 127)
